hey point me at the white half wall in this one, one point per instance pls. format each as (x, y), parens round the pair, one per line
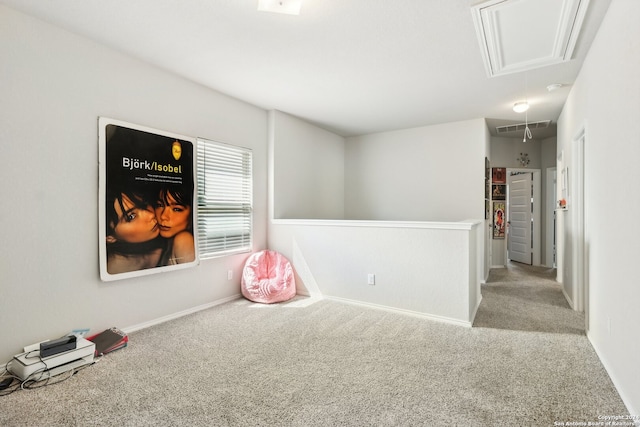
(431, 173)
(54, 85)
(605, 102)
(429, 269)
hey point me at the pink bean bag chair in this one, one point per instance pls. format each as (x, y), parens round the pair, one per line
(267, 278)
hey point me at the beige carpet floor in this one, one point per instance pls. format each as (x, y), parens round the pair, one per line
(525, 362)
(525, 298)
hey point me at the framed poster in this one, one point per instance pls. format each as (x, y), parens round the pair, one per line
(499, 191)
(499, 176)
(499, 218)
(146, 194)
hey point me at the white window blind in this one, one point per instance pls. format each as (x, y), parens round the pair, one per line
(225, 202)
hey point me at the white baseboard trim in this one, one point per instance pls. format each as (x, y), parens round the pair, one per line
(163, 319)
(566, 296)
(498, 266)
(614, 380)
(475, 310)
(434, 317)
(179, 314)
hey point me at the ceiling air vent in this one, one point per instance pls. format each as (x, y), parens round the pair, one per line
(521, 126)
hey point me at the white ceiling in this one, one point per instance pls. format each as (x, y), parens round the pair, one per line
(350, 66)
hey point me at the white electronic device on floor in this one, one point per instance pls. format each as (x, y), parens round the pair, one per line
(30, 365)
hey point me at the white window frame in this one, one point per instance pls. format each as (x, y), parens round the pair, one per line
(224, 199)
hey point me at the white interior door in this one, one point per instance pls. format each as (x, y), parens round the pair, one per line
(520, 217)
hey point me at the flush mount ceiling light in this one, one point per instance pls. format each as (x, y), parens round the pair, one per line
(554, 86)
(521, 107)
(289, 7)
(519, 35)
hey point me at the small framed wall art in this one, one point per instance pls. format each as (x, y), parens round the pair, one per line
(499, 176)
(498, 191)
(499, 219)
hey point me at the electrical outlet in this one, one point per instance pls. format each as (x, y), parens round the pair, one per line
(371, 279)
(229, 274)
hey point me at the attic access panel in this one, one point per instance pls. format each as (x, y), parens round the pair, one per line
(519, 35)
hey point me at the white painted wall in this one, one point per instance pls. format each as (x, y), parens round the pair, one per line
(432, 173)
(505, 151)
(54, 85)
(605, 100)
(488, 222)
(307, 169)
(548, 152)
(548, 159)
(433, 272)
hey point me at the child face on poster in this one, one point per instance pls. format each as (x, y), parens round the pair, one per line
(173, 213)
(134, 220)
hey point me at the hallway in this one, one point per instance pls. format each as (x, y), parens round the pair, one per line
(526, 298)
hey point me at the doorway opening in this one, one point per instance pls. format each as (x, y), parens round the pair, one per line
(524, 229)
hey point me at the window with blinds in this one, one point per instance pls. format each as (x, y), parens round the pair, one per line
(225, 202)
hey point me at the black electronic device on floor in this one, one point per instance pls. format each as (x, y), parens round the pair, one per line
(49, 348)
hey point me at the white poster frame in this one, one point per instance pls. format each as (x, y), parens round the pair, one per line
(162, 136)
